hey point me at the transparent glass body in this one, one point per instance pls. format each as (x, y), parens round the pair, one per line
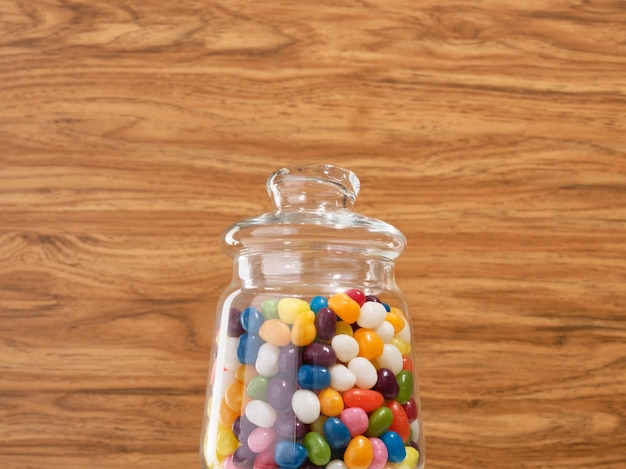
(313, 360)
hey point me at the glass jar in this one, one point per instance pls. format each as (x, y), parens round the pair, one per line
(313, 361)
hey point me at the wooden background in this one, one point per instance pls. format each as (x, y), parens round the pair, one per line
(491, 132)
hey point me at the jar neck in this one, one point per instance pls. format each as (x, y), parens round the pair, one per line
(321, 271)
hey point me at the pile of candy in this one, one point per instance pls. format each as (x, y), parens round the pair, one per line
(322, 383)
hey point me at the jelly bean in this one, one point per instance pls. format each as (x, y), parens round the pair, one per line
(275, 332)
(372, 315)
(318, 425)
(359, 453)
(411, 410)
(242, 370)
(405, 333)
(331, 402)
(228, 463)
(385, 331)
(320, 354)
(379, 421)
(345, 347)
(289, 359)
(248, 348)
(269, 309)
(251, 320)
(260, 413)
(226, 442)
(401, 345)
(400, 423)
(257, 387)
(303, 330)
(379, 451)
(317, 448)
(231, 362)
(288, 426)
(336, 464)
(306, 405)
(227, 415)
(411, 459)
(395, 320)
(289, 454)
(415, 430)
(366, 399)
(234, 326)
(386, 306)
(405, 381)
(233, 396)
(407, 363)
(344, 328)
(341, 378)
(387, 384)
(290, 308)
(336, 433)
(267, 360)
(390, 358)
(355, 419)
(243, 457)
(325, 323)
(356, 295)
(396, 451)
(364, 371)
(370, 345)
(261, 438)
(317, 303)
(313, 377)
(265, 460)
(344, 307)
(279, 392)
(242, 427)
(372, 298)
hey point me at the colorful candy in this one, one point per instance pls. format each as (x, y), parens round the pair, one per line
(344, 307)
(290, 455)
(359, 453)
(331, 402)
(364, 371)
(260, 413)
(355, 419)
(337, 433)
(366, 399)
(317, 448)
(379, 421)
(306, 405)
(345, 346)
(313, 377)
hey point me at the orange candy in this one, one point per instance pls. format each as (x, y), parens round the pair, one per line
(366, 399)
(331, 402)
(359, 453)
(395, 319)
(233, 396)
(345, 307)
(370, 344)
(227, 416)
(303, 332)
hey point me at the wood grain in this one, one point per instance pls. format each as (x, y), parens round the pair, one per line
(491, 132)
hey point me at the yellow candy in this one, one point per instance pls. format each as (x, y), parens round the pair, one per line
(318, 425)
(345, 307)
(395, 319)
(410, 462)
(226, 442)
(233, 396)
(290, 308)
(303, 332)
(359, 453)
(344, 328)
(331, 402)
(276, 332)
(370, 343)
(401, 345)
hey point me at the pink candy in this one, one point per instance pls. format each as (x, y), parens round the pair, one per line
(380, 453)
(261, 438)
(355, 419)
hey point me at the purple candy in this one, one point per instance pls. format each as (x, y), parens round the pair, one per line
(288, 427)
(320, 354)
(289, 359)
(235, 328)
(244, 457)
(373, 298)
(325, 323)
(387, 384)
(279, 393)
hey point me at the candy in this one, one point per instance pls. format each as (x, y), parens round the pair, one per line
(269, 309)
(233, 396)
(325, 323)
(405, 382)
(400, 423)
(265, 460)
(387, 384)
(226, 441)
(227, 416)
(257, 388)
(370, 344)
(260, 413)
(251, 320)
(341, 378)
(289, 359)
(415, 430)
(379, 421)
(313, 377)
(356, 295)
(331, 402)
(234, 325)
(275, 332)
(345, 347)
(336, 433)
(279, 392)
(359, 453)
(320, 354)
(248, 348)
(366, 399)
(317, 303)
(267, 360)
(303, 331)
(261, 438)
(372, 315)
(336, 464)
(231, 362)
(411, 410)
(379, 451)
(390, 358)
(396, 320)
(355, 419)
(396, 451)
(305, 405)
(288, 454)
(288, 426)
(344, 307)
(318, 425)
(317, 448)
(290, 308)
(407, 363)
(401, 345)
(411, 459)
(242, 428)
(405, 333)
(344, 328)
(385, 332)
(364, 372)
(243, 457)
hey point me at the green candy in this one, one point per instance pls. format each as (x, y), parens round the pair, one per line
(379, 421)
(405, 381)
(269, 309)
(257, 387)
(317, 448)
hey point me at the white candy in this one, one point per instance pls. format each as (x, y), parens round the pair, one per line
(372, 315)
(390, 358)
(341, 378)
(336, 464)
(345, 347)
(260, 413)
(228, 378)
(385, 331)
(405, 333)
(231, 362)
(305, 405)
(364, 371)
(267, 360)
(415, 428)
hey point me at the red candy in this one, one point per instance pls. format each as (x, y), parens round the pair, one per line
(407, 363)
(411, 410)
(366, 399)
(356, 295)
(400, 422)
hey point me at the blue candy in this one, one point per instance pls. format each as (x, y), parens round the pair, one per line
(314, 377)
(387, 307)
(248, 348)
(336, 433)
(396, 452)
(318, 303)
(289, 454)
(251, 319)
